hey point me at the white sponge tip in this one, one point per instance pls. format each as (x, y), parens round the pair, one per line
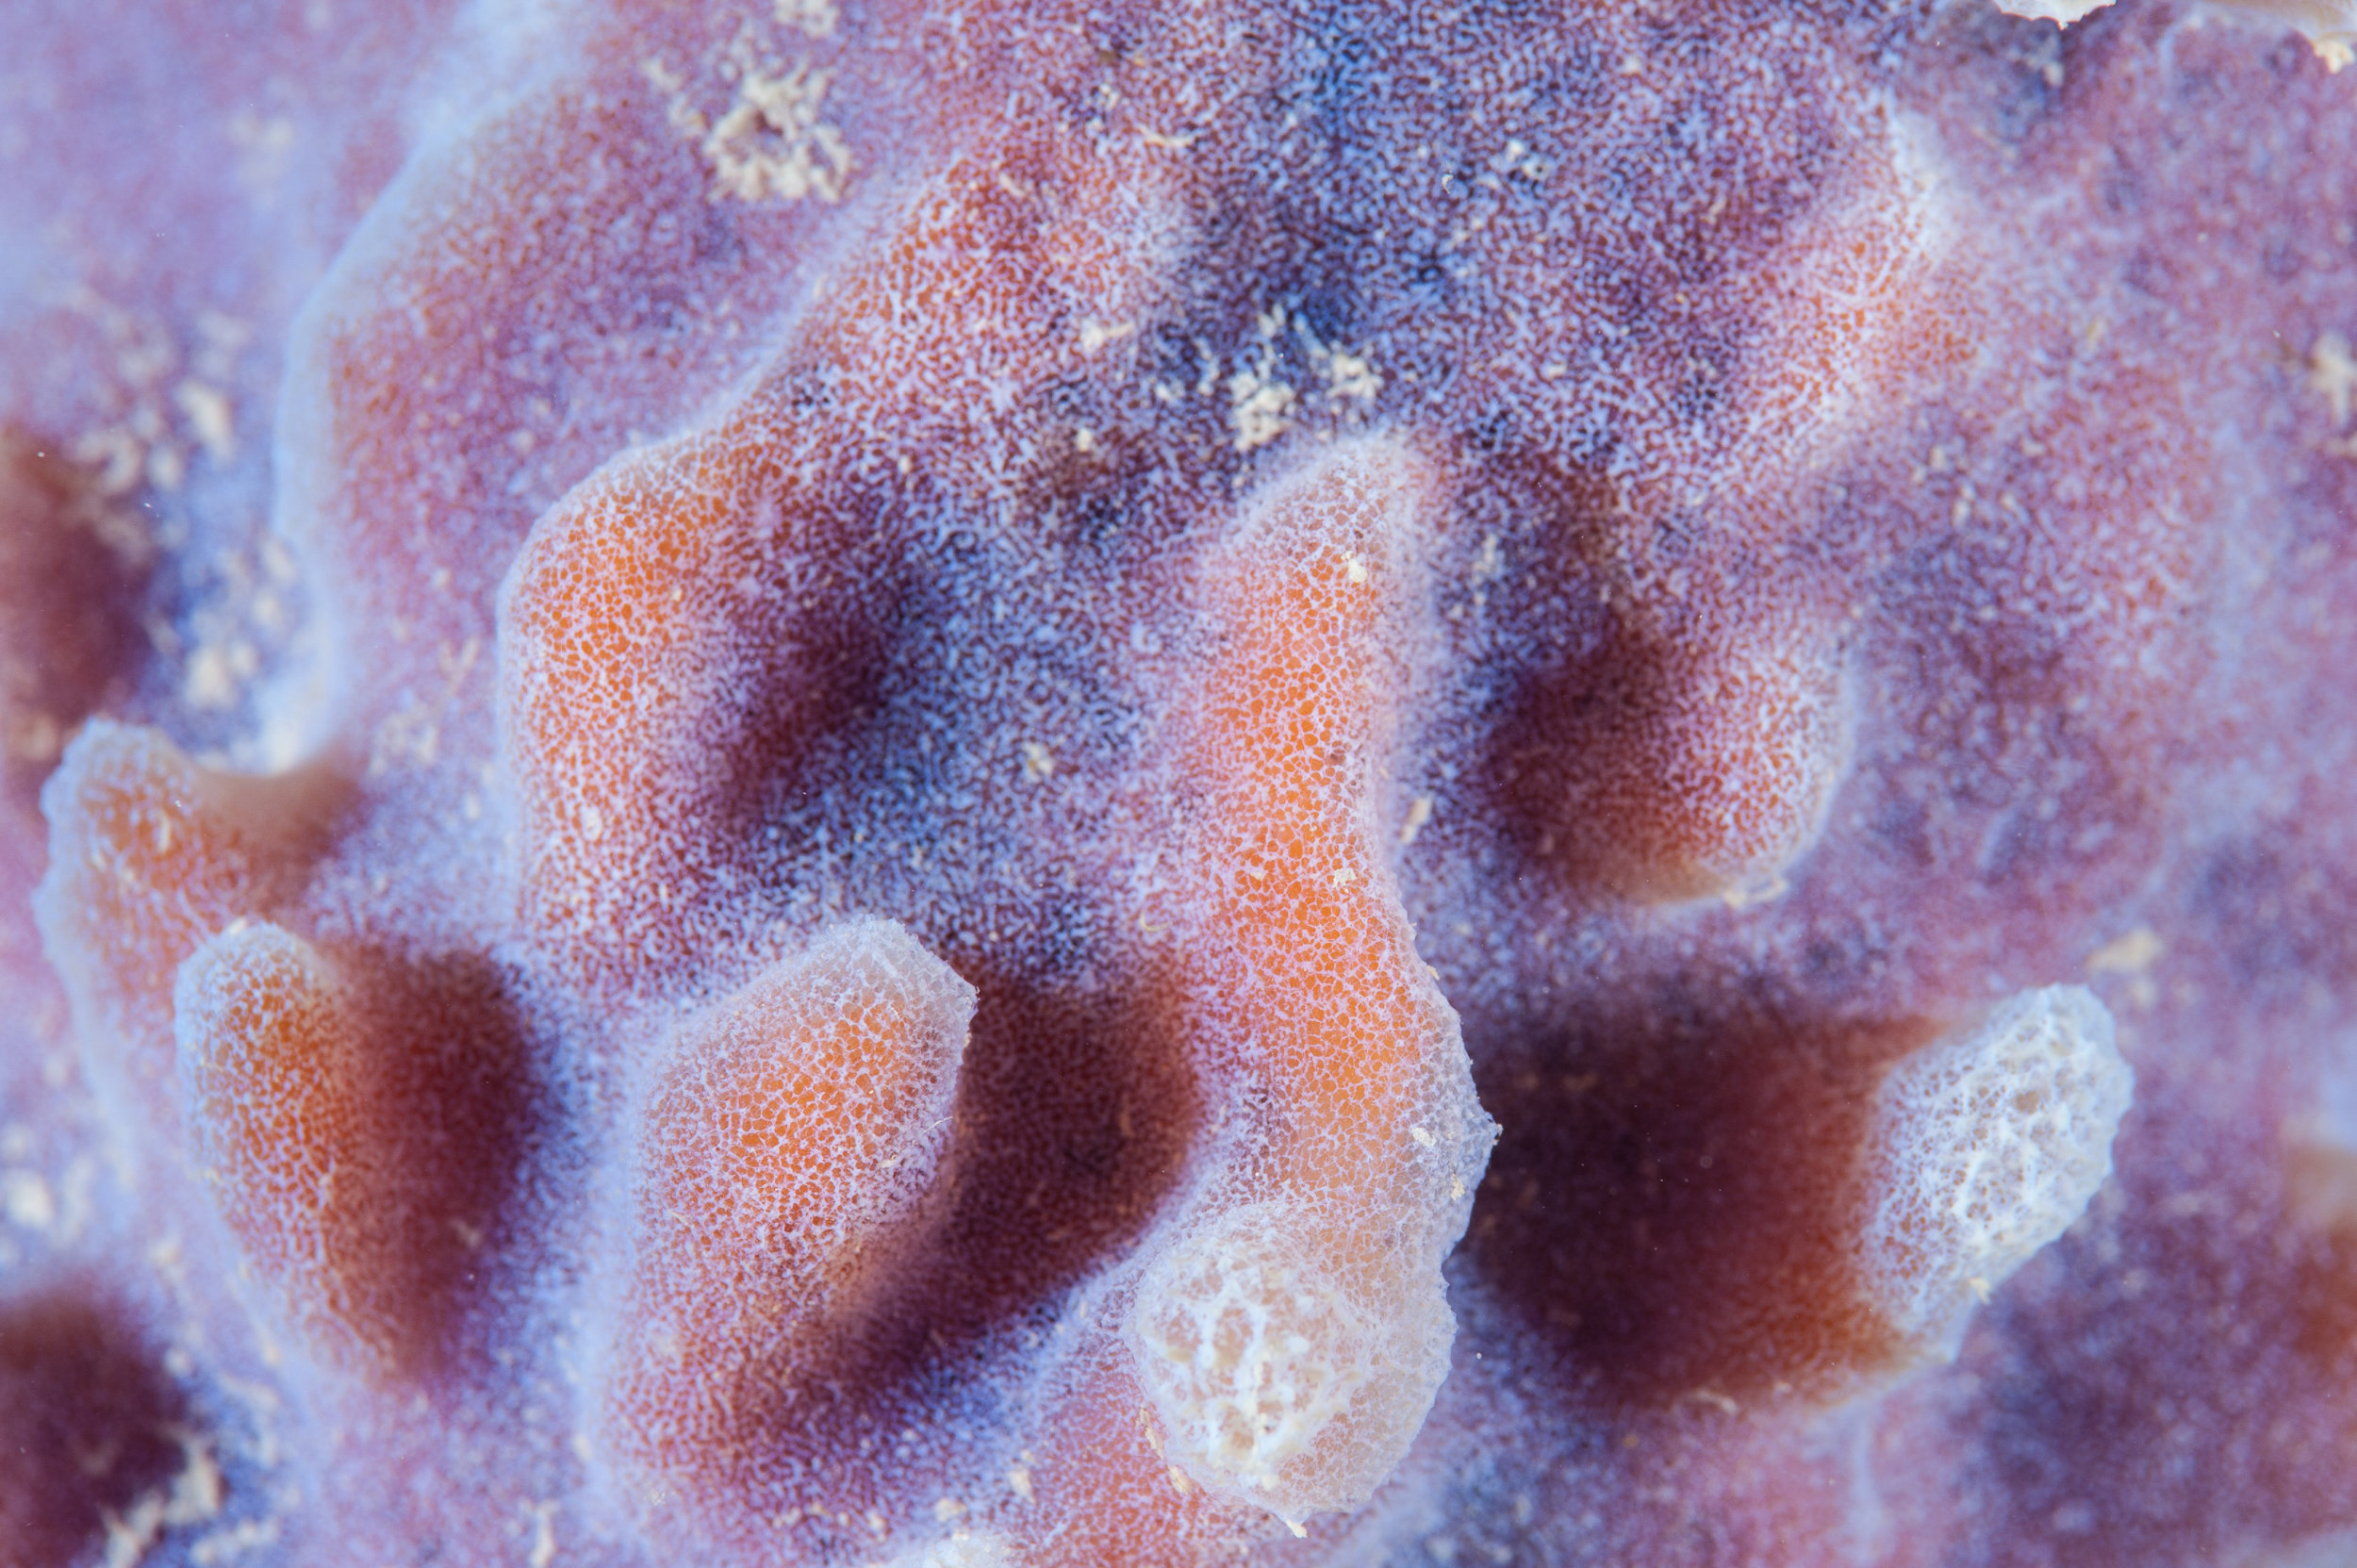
(1984, 1147)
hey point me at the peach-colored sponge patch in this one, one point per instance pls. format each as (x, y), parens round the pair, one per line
(1292, 1334)
(785, 1155)
(272, 1076)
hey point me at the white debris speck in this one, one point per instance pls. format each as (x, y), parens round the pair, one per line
(1489, 563)
(812, 17)
(25, 1194)
(210, 681)
(1349, 377)
(193, 1496)
(1260, 407)
(208, 414)
(1094, 335)
(235, 1541)
(771, 141)
(2131, 954)
(2332, 374)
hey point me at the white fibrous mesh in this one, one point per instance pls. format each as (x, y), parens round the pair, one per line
(1249, 1351)
(1984, 1147)
(2330, 24)
(1275, 1382)
(2064, 11)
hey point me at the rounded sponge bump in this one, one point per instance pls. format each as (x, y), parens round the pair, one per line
(275, 1115)
(601, 661)
(1986, 1145)
(1275, 1381)
(672, 635)
(1727, 787)
(149, 855)
(785, 1157)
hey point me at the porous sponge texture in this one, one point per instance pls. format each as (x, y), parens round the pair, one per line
(1292, 1334)
(786, 1151)
(1986, 1145)
(274, 1119)
(631, 627)
(149, 855)
(1700, 768)
(1253, 1352)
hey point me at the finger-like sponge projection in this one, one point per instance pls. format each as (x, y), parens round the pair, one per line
(270, 1071)
(787, 1156)
(1984, 1147)
(149, 855)
(1292, 1337)
(650, 653)
(1254, 1350)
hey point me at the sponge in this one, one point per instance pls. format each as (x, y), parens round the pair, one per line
(1984, 1147)
(784, 1158)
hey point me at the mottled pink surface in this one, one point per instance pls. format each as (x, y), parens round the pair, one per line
(1868, 495)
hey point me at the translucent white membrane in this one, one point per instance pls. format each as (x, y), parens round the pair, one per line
(1984, 1147)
